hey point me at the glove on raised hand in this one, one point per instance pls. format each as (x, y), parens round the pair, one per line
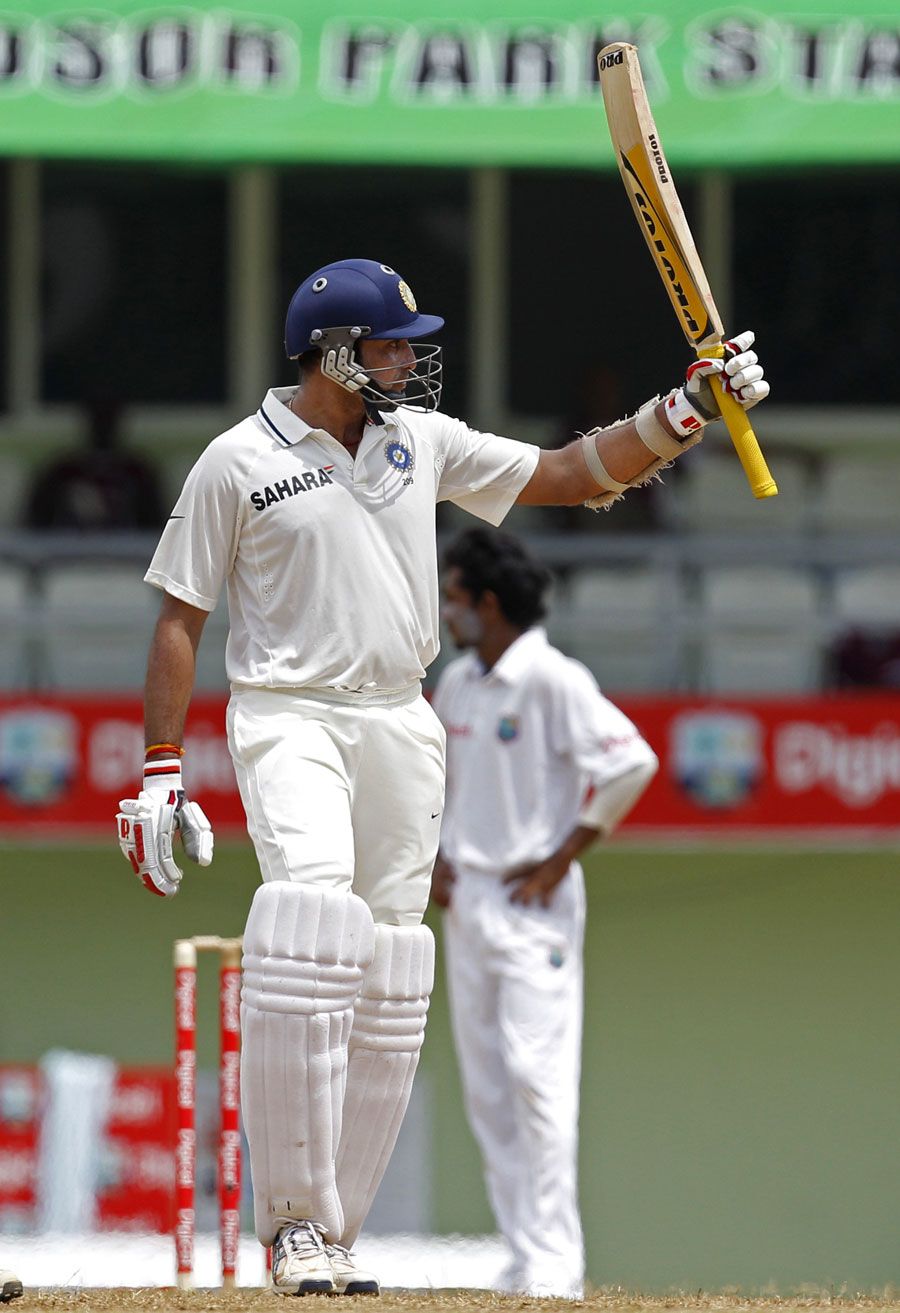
(692, 406)
(688, 409)
(146, 826)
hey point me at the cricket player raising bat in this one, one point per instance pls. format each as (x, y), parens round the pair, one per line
(317, 515)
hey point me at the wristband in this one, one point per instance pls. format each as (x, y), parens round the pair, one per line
(164, 747)
(654, 437)
(684, 417)
(168, 767)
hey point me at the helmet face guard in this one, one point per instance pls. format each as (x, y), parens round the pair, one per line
(341, 364)
(341, 304)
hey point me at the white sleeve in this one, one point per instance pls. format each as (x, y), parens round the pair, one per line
(481, 472)
(199, 543)
(602, 809)
(605, 745)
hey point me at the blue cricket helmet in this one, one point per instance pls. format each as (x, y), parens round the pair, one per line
(349, 294)
(349, 301)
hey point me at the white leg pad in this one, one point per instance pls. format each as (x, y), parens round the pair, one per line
(306, 949)
(387, 1036)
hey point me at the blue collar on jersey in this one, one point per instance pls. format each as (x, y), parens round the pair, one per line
(289, 429)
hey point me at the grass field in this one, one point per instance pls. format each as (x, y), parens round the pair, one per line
(741, 1062)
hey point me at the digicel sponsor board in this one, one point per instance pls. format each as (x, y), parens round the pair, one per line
(816, 763)
(726, 765)
(68, 761)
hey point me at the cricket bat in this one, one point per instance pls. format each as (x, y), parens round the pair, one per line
(648, 181)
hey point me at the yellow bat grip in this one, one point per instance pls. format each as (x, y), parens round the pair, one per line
(742, 435)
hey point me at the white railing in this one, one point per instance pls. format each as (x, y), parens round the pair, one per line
(645, 610)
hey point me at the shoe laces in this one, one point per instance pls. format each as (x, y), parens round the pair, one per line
(339, 1251)
(304, 1239)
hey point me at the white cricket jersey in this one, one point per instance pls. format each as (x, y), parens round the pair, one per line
(526, 742)
(330, 561)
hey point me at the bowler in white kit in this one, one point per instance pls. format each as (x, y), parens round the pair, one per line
(539, 767)
(317, 514)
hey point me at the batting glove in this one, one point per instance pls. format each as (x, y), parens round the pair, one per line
(694, 405)
(146, 827)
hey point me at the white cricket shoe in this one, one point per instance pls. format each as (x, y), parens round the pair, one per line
(552, 1290)
(300, 1265)
(509, 1279)
(10, 1286)
(348, 1278)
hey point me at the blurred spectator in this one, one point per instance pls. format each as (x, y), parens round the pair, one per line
(867, 660)
(98, 487)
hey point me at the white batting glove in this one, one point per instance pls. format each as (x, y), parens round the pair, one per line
(694, 405)
(146, 826)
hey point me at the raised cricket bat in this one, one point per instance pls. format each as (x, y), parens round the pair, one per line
(648, 181)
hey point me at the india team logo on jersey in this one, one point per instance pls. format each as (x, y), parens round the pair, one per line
(508, 728)
(400, 458)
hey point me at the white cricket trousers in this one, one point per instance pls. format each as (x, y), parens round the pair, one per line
(343, 793)
(515, 979)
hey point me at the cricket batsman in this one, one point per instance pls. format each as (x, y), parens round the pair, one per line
(317, 514)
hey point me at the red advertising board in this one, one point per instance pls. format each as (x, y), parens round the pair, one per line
(772, 765)
(20, 1120)
(136, 1170)
(726, 765)
(66, 761)
(137, 1186)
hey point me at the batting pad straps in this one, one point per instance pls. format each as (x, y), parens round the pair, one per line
(305, 949)
(393, 1001)
(596, 468)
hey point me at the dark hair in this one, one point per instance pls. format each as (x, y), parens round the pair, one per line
(499, 563)
(307, 361)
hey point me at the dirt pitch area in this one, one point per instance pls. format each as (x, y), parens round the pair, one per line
(157, 1300)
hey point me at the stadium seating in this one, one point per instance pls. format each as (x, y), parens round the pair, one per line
(713, 496)
(96, 619)
(859, 495)
(14, 627)
(623, 624)
(759, 630)
(669, 623)
(868, 597)
(14, 478)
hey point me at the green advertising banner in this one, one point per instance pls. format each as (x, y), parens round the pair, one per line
(445, 82)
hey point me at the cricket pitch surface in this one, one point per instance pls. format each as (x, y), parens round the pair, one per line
(249, 1300)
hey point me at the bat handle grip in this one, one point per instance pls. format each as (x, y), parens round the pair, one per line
(743, 437)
